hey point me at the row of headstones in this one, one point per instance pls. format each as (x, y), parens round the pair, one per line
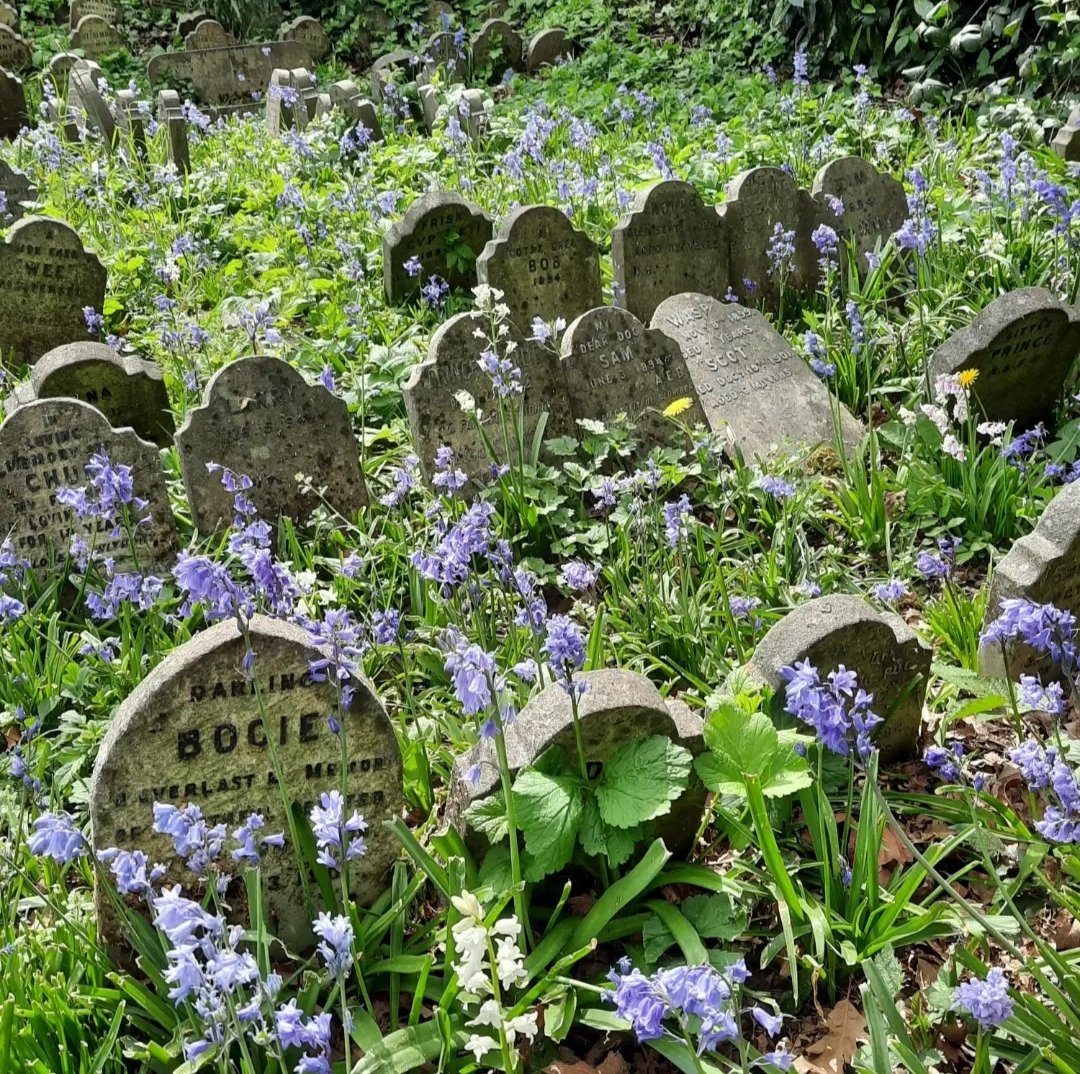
(669, 242)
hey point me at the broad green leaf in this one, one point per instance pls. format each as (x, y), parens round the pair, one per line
(656, 938)
(641, 780)
(745, 744)
(714, 917)
(488, 816)
(598, 838)
(549, 815)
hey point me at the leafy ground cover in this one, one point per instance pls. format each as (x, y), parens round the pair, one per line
(832, 911)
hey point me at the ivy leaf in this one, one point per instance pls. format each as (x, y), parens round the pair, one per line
(549, 815)
(488, 817)
(714, 917)
(641, 779)
(598, 838)
(745, 744)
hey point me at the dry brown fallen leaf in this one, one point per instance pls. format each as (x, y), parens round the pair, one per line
(831, 1053)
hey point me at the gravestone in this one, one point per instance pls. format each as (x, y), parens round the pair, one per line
(758, 200)
(170, 114)
(443, 51)
(495, 48)
(875, 205)
(612, 364)
(208, 33)
(9, 16)
(1043, 567)
(438, 13)
(195, 731)
(402, 62)
(86, 104)
(434, 225)
(96, 37)
(889, 658)
(16, 189)
(130, 392)
(188, 21)
(543, 265)
(281, 102)
(547, 48)
(429, 105)
(303, 81)
(47, 277)
(259, 417)
(669, 243)
(616, 708)
(310, 32)
(749, 378)
(225, 78)
(13, 114)
(104, 9)
(130, 123)
(452, 366)
(14, 51)
(44, 446)
(474, 116)
(358, 110)
(1023, 345)
(1066, 143)
(58, 69)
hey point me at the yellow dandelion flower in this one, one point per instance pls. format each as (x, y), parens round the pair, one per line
(968, 377)
(673, 410)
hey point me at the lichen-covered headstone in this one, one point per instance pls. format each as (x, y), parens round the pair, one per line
(45, 446)
(59, 68)
(1066, 143)
(889, 658)
(130, 123)
(1022, 345)
(748, 377)
(446, 233)
(544, 266)
(259, 417)
(303, 81)
(9, 16)
(170, 114)
(617, 707)
(448, 50)
(129, 391)
(13, 114)
(547, 48)
(199, 730)
(310, 32)
(208, 33)
(96, 37)
(86, 104)
(436, 417)
(16, 190)
(612, 364)
(874, 204)
(496, 48)
(399, 67)
(473, 115)
(759, 200)
(1043, 567)
(104, 9)
(281, 102)
(669, 243)
(47, 278)
(358, 109)
(14, 50)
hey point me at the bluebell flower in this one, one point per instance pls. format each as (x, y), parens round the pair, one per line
(776, 487)
(676, 524)
(578, 576)
(891, 591)
(781, 251)
(336, 936)
(564, 645)
(55, 836)
(986, 1001)
(129, 870)
(333, 833)
(837, 710)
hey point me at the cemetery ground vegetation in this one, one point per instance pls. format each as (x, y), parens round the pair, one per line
(833, 909)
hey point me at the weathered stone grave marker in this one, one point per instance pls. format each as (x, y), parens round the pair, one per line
(129, 391)
(170, 114)
(103, 9)
(208, 33)
(1023, 345)
(1043, 567)
(85, 103)
(612, 364)
(758, 200)
(452, 366)
(309, 31)
(616, 708)
(259, 417)
(358, 110)
(543, 265)
(547, 48)
(9, 16)
(446, 233)
(189, 21)
(449, 50)
(14, 50)
(44, 446)
(16, 190)
(47, 277)
(748, 377)
(889, 658)
(281, 102)
(96, 37)
(669, 243)
(497, 47)
(13, 114)
(58, 69)
(399, 68)
(875, 205)
(429, 105)
(1066, 143)
(196, 730)
(474, 116)
(130, 123)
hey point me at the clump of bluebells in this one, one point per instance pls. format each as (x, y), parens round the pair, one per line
(836, 708)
